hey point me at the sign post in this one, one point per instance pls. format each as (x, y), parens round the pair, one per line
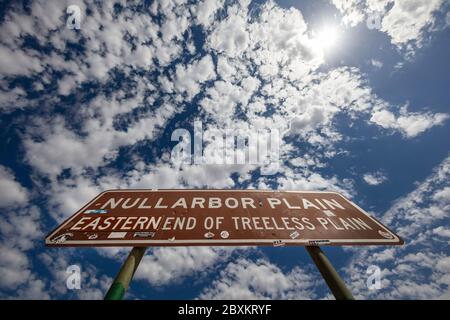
(126, 273)
(329, 274)
(142, 218)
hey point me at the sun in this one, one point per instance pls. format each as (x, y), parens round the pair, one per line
(327, 37)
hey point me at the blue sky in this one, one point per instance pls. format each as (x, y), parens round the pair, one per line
(357, 89)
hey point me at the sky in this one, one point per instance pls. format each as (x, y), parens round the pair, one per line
(357, 89)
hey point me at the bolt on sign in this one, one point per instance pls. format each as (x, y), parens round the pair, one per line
(220, 217)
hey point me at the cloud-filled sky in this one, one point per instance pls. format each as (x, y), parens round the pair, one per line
(358, 90)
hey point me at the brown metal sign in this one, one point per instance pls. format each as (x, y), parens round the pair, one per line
(220, 217)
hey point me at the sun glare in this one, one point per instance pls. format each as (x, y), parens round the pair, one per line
(327, 37)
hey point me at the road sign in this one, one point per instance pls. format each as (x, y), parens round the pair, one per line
(220, 217)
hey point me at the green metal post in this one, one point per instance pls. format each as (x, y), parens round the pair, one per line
(329, 274)
(123, 278)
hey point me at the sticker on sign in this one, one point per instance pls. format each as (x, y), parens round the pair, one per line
(220, 218)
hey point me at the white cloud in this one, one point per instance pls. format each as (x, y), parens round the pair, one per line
(173, 27)
(244, 279)
(404, 21)
(442, 232)
(305, 180)
(20, 231)
(103, 34)
(351, 11)
(18, 62)
(442, 195)
(374, 179)
(206, 10)
(407, 19)
(376, 63)
(410, 124)
(35, 289)
(222, 99)
(70, 195)
(21, 228)
(16, 276)
(276, 41)
(307, 121)
(60, 148)
(14, 268)
(419, 269)
(167, 265)
(231, 36)
(93, 284)
(12, 191)
(188, 79)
